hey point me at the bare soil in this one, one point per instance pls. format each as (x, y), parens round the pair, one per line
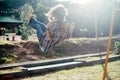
(29, 51)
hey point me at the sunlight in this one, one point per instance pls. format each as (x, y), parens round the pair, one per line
(76, 1)
(81, 1)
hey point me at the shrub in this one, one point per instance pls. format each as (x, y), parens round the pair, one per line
(117, 47)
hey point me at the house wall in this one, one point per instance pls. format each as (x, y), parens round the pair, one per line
(10, 37)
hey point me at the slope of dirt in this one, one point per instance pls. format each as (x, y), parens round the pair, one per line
(29, 51)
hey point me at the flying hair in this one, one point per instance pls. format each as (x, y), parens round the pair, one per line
(58, 12)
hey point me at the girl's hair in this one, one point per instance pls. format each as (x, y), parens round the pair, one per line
(58, 12)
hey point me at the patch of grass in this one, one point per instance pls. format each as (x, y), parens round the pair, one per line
(11, 70)
(55, 51)
(83, 73)
(4, 42)
(5, 60)
(98, 57)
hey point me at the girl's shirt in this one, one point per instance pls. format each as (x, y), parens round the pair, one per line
(59, 28)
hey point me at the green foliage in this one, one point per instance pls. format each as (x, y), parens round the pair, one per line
(40, 10)
(117, 44)
(13, 3)
(25, 29)
(5, 60)
(117, 47)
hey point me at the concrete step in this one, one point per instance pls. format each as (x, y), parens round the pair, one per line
(55, 66)
(48, 61)
(46, 68)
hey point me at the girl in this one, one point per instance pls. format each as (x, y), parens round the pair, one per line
(57, 22)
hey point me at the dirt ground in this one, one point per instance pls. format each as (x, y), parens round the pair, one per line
(29, 50)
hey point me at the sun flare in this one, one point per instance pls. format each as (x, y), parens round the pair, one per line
(76, 1)
(80, 1)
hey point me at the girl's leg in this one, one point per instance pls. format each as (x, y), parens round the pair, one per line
(43, 26)
(39, 26)
(40, 29)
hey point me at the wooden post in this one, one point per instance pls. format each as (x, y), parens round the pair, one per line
(72, 26)
(108, 44)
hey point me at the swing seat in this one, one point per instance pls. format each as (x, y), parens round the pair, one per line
(55, 39)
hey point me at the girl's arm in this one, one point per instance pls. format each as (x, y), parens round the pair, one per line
(49, 25)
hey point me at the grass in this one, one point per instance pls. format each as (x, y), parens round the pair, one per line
(5, 42)
(83, 73)
(6, 59)
(11, 70)
(98, 57)
(11, 42)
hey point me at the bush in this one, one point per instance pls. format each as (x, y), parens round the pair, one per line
(117, 47)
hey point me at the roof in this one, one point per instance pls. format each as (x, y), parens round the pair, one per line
(6, 19)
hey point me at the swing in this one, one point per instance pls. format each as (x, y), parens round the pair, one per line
(57, 34)
(52, 38)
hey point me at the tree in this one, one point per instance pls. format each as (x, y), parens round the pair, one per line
(13, 4)
(26, 30)
(40, 10)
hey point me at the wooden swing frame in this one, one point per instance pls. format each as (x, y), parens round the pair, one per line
(109, 41)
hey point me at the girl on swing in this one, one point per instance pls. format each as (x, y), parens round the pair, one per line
(57, 21)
